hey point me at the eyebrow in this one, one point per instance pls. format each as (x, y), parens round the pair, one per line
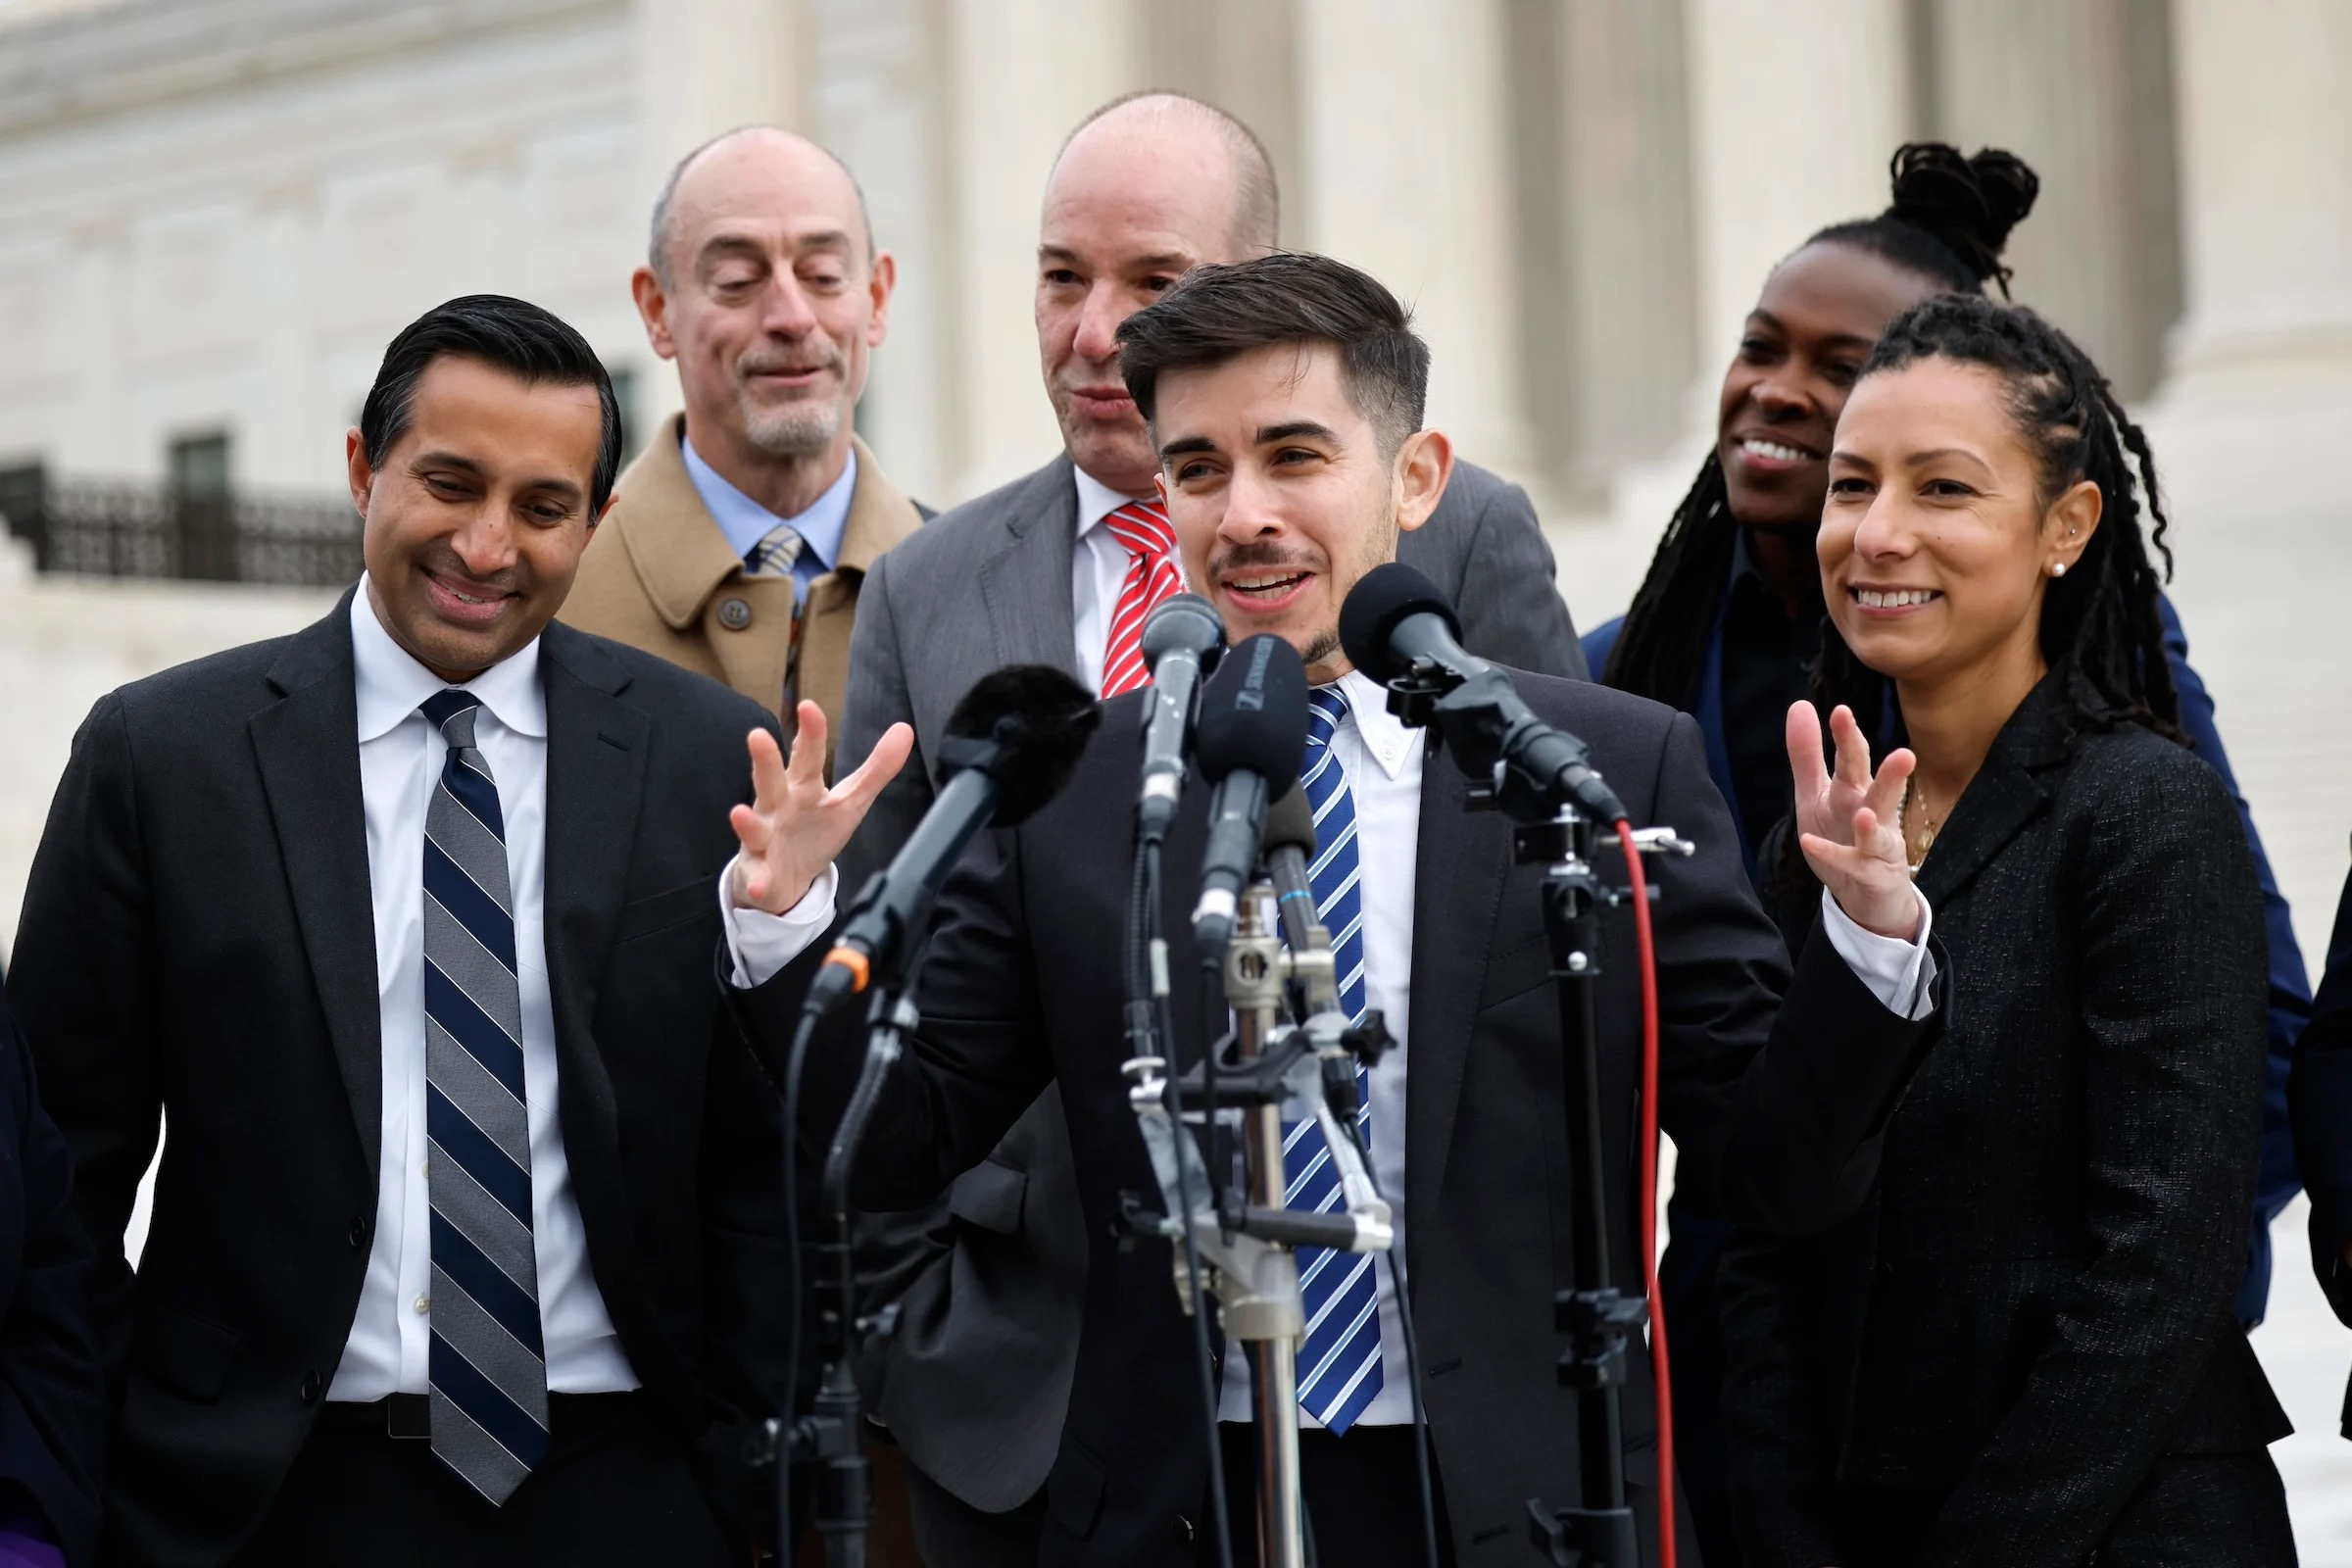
(1833, 340)
(724, 244)
(1267, 435)
(1915, 459)
(1162, 261)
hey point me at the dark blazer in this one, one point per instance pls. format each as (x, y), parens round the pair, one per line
(1777, 1104)
(2321, 1095)
(52, 1390)
(198, 942)
(2036, 1304)
(990, 1283)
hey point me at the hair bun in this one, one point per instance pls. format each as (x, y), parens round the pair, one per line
(1970, 204)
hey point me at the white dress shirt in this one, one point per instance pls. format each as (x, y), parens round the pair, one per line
(1382, 761)
(1099, 566)
(400, 757)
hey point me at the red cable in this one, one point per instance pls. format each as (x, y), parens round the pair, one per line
(1638, 884)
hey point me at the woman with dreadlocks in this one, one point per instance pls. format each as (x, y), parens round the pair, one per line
(2021, 1349)
(1727, 623)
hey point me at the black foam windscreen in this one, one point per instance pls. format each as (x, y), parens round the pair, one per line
(1253, 714)
(1290, 823)
(1381, 597)
(1038, 719)
(1180, 622)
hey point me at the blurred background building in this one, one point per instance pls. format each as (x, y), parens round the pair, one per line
(213, 214)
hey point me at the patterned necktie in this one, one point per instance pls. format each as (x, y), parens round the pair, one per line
(776, 553)
(488, 1362)
(1143, 527)
(1339, 1364)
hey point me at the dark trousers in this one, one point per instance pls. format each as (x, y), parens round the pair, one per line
(950, 1533)
(614, 1487)
(1695, 1337)
(1362, 1493)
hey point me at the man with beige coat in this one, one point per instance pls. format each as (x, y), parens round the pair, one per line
(739, 539)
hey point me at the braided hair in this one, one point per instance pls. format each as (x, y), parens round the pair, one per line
(2101, 631)
(1948, 221)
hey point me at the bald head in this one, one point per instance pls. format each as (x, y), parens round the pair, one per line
(1188, 134)
(755, 167)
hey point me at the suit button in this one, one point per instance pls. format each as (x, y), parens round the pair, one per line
(734, 614)
(359, 1234)
(313, 1385)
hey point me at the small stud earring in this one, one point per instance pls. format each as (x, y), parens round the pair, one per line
(2057, 568)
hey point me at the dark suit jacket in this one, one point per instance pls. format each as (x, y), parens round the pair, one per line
(198, 942)
(2036, 1304)
(52, 1392)
(990, 1283)
(2321, 1096)
(1779, 1105)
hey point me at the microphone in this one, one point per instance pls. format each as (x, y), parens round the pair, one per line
(1181, 640)
(1395, 625)
(1253, 741)
(1012, 743)
(1287, 842)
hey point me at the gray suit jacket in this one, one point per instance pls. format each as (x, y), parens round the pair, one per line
(992, 1286)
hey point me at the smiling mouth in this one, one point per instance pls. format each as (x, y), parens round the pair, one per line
(1893, 597)
(1265, 585)
(1755, 446)
(474, 602)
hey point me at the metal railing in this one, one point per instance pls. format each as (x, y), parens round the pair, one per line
(115, 529)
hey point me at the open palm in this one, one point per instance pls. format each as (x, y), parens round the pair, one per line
(794, 826)
(1849, 824)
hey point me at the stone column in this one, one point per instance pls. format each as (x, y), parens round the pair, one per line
(709, 65)
(1023, 74)
(1404, 159)
(1795, 110)
(2082, 90)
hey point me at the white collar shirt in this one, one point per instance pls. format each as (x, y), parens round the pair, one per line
(745, 522)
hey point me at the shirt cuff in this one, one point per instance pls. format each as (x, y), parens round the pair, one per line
(758, 944)
(1900, 974)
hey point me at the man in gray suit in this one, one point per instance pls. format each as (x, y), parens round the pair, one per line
(1058, 569)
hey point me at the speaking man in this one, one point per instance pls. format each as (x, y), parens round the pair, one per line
(739, 540)
(1061, 568)
(1285, 400)
(468, 1244)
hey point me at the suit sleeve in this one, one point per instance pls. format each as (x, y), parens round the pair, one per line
(2319, 1096)
(2290, 990)
(1774, 1087)
(83, 987)
(878, 698)
(53, 1409)
(2170, 967)
(979, 1056)
(1777, 1427)
(1510, 603)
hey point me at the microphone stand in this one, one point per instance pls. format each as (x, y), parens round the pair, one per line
(1488, 743)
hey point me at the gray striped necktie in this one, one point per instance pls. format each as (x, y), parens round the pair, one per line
(488, 1360)
(776, 553)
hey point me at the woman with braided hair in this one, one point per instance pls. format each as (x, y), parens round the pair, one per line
(2020, 1350)
(1727, 623)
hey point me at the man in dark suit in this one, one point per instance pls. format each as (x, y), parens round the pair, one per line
(1284, 398)
(2320, 1099)
(52, 1390)
(434, 877)
(1059, 569)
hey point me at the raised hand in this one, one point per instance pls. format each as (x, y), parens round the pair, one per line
(794, 826)
(1848, 822)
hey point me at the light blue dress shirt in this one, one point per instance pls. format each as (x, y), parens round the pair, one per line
(746, 522)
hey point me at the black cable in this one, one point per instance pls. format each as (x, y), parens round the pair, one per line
(1144, 928)
(789, 1412)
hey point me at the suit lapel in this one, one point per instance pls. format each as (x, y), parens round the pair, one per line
(1458, 894)
(596, 759)
(307, 747)
(2003, 796)
(1026, 583)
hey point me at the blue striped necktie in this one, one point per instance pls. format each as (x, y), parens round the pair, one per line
(489, 1363)
(1339, 1364)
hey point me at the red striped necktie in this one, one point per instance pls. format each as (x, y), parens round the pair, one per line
(1143, 528)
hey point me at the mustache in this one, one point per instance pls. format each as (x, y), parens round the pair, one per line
(1263, 557)
(784, 364)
